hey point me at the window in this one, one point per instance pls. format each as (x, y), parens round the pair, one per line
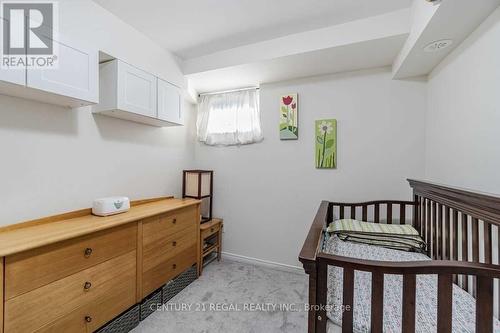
(229, 118)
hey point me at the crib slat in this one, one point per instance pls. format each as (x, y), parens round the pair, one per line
(341, 211)
(348, 298)
(447, 234)
(445, 289)
(376, 218)
(409, 284)
(428, 223)
(475, 240)
(365, 213)
(498, 261)
(487, 242)
(402, 214)
(455, 241)
(353, 212)
(416, 215)
(321, 296)
(455, 233)
(389, 213)
(475, 248)
(377, 307)
(440, 232)
(484, 305)
(434, 232)
(465, 248)
(424, 222)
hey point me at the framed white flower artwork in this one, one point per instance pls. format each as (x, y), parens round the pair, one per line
(326, 143)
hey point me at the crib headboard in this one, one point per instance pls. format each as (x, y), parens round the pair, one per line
(458, 224)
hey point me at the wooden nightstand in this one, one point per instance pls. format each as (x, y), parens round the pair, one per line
(211, 241)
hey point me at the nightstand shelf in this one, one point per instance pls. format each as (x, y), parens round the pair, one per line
(209, 250)
(211, 241)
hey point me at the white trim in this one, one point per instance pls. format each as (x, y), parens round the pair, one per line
(262, 262)
(227, 91)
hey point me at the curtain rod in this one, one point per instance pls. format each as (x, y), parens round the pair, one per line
(228, 91)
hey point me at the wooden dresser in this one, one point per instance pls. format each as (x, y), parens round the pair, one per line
(75, 272)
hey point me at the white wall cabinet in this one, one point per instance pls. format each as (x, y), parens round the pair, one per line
(74, 82)
(136, 90)
(16, 76)
(76, 75)
(130, 93)
(169, 102)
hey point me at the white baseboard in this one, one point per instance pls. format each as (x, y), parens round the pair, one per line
(262, 262)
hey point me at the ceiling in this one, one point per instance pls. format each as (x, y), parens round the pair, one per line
(332, 60)
(193, 28)
(227, 44)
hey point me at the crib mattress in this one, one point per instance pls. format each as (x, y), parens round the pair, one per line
(426, 293)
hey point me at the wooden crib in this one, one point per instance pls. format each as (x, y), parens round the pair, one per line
(458, 226)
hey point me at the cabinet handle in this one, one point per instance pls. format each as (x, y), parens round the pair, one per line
(88, 252)
(87, 286)
(174, 243)
(174, 266)
(88, 319)
(174, 221)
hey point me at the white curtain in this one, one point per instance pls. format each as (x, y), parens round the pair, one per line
(229, 118)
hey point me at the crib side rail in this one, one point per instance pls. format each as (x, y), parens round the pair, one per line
(383, 211)
(308, 254)
(484, 273)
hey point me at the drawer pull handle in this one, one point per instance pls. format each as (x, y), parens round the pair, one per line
(88, 252)
(88, 319)
(87, 286)
(174, 221)
(174, 266)
(212, 230)
(174, 243)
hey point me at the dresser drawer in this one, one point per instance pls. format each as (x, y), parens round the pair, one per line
(163, 226)
(160, 274)
(42, 306)
(159, 252)
(32, 269)
(90, 317)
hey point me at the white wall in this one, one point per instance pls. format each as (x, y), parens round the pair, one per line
(110, 34)
(268, 193)
(463, 114)
(55, 160)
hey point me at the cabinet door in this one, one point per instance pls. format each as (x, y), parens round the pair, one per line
(76, 74)
(136, 90)
(169, 106)
(12, 75)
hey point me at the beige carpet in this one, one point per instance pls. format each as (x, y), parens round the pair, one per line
(237, 298)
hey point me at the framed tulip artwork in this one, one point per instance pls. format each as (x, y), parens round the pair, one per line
(326, 144)
(289, 127)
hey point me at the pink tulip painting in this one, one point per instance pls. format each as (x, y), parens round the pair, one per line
(289, 117)
(287, 100)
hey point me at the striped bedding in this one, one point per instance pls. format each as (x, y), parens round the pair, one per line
(426, 298)
(392, 236)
